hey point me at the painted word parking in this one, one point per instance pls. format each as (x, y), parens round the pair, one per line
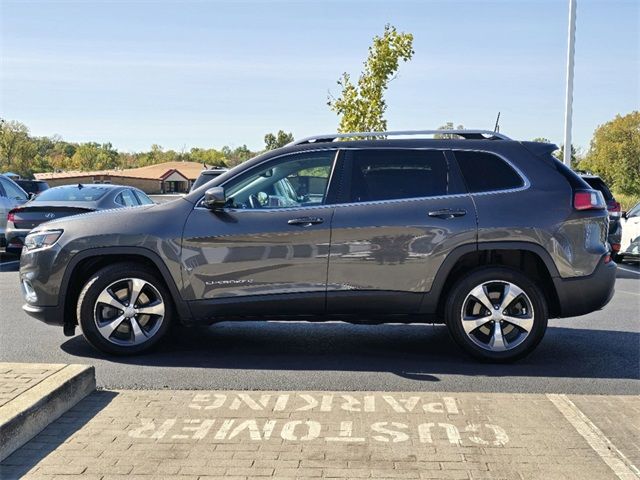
(329, 418)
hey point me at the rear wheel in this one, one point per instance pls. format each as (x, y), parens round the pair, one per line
(496, 314)
(124, 309)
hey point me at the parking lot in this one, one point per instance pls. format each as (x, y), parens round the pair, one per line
(595, 354)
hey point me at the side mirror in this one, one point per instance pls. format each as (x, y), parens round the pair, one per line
(214, 198)
(32, 195)
(624, 215)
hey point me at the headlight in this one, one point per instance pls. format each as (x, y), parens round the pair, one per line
(42, 239)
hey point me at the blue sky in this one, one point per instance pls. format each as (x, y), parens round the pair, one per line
(208, 74)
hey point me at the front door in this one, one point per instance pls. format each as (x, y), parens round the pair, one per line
(267, 252)
(403, 211)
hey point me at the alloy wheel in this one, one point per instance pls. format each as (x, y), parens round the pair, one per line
(129, 312)
(497, 315)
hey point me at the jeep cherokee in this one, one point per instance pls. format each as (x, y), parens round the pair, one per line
(485, 234)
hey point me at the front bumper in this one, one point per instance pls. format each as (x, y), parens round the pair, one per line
(52, 315)
(579, 296)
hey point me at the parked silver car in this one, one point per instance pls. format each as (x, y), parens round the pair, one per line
(11, 195)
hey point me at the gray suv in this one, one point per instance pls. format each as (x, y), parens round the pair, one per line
(485, 234)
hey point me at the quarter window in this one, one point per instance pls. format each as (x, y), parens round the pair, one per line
(396, 174)
(484, 172)
(143, 198)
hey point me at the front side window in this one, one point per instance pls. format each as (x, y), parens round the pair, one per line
(485, 172)
(293, 181)
(634, 212)
(389, 174)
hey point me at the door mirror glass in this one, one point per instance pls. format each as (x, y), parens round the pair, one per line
(214, 198)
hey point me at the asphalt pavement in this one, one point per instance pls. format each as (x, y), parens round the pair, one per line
(598, 353)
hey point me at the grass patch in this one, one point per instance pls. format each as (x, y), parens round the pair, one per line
(627, 202)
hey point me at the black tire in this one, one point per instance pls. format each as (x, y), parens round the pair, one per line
(454, 313)
(88, 305)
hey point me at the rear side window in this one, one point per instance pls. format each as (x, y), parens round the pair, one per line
(485, 172)
(127, 199)
(396, 174)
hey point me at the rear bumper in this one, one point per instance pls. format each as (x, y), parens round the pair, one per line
(49, 315)
(15, 239)
(579, 296)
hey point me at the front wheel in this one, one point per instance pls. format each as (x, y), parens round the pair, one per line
(496, 314)
(124, 309)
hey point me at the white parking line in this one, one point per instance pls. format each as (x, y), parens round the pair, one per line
(607, 451)
(629, 270)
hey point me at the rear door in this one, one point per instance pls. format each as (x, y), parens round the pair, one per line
(402, 212)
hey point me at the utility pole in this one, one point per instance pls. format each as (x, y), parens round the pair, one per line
(568, 104)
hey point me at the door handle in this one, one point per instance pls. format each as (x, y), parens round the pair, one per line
(305, 221)
(447, 213)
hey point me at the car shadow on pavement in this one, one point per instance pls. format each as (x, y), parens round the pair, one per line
(419, 352)
(18, 464)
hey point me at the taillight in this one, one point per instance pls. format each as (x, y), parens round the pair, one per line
(588, 200)
(11, 216)
(614, 209)
(615, 247)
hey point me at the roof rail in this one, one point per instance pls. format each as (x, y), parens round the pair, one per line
(466, 134)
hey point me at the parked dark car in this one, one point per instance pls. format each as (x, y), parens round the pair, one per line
(406, 230)
(64, 201)
(206, 176)
(613, 207)
(33, 187)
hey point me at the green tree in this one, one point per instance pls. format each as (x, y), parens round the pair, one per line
(15, 145)
(237, 155)
(614, 153)
(93, 156)
(208, 157)
(271, 141)
(575, 155)
(361, 106)
(448, 126)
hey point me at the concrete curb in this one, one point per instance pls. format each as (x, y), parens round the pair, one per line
(25, 416)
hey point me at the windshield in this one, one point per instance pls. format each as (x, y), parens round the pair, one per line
(75, 194)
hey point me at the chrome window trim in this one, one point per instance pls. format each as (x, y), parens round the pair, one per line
(333, 167)
(526, 184)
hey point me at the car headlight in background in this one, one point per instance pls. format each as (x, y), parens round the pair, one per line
(42, 239)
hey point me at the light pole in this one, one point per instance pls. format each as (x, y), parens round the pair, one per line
(568, 103)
